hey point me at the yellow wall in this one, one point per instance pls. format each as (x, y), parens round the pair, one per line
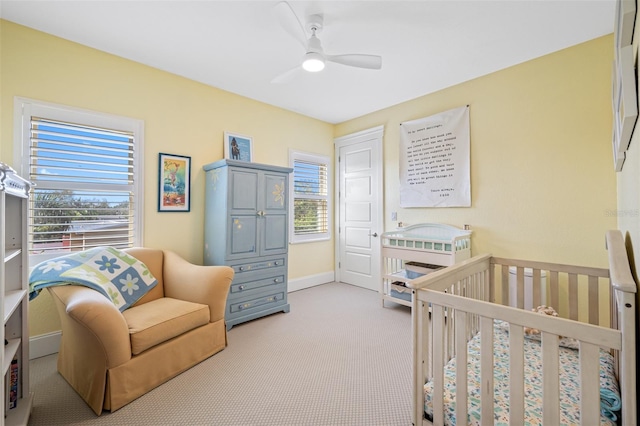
(628, 211)
(181, 117)
(542, 178)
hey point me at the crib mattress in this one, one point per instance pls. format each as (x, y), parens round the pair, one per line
(569, 383)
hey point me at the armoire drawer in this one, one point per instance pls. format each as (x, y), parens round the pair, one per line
(240, 268)
(240, 287)
(258, 303)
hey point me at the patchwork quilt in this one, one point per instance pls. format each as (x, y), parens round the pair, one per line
(121, 278)
(569, 383)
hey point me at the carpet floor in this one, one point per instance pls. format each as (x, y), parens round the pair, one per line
(338, 358)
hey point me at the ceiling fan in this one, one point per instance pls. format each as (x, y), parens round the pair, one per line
(315, 59)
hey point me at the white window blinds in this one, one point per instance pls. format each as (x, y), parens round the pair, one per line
(85, 194)
(310, 197)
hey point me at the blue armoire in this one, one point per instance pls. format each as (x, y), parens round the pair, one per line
(246, 227)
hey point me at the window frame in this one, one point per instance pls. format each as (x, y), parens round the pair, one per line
(25, 108)
(317, 159)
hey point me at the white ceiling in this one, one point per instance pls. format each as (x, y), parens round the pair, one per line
(239, 46)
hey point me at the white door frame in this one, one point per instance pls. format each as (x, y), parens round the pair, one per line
(340, 142)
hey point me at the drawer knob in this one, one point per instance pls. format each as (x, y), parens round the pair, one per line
(241, 268)
(241, 287)
(275, 280)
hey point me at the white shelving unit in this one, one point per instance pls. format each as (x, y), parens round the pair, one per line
(14, 273)
(416, 250)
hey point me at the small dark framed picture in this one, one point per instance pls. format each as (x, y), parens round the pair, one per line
(174, 183)
(238, 147)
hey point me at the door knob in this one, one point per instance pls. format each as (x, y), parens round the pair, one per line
(375, 234)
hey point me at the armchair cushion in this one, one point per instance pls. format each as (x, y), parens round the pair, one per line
(161, 320)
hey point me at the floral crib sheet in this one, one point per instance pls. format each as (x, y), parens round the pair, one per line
(569, 383)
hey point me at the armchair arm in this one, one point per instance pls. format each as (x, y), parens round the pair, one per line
(208, 285)
(92, 324)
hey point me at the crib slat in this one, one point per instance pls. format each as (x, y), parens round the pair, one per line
(550, 379)
(486, 371)
(520, 287)
(589, 383)
(437, 316)
(573, 296)
(516, 375)
(537, 291)
(487, 282)
(554, 290)
(461, 366)
(626, 317)
(421, 357)
(594, 301)
(505, 284)
(473, 325)
(449, 335)
(423, 325)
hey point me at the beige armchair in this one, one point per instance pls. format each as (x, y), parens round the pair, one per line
(111, 358)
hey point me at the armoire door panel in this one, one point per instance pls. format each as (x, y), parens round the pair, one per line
(244, 192)
(275, 192)
(275, 234)
(243, 234)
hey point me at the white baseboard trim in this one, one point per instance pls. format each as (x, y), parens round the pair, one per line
(310, 281)
(45, 344)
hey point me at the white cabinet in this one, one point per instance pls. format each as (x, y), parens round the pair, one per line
(14, 273)
(417, 250)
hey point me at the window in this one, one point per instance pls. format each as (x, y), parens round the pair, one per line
(88, 177)
(310, 192)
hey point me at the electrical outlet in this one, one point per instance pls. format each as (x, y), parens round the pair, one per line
(394, 216)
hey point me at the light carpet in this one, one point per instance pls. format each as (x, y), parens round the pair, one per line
(338, 358)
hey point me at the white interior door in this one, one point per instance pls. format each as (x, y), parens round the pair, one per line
(359, 208)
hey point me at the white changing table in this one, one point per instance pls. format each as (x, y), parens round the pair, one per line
(415, 250)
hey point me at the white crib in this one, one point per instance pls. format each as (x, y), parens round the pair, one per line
(458, 316)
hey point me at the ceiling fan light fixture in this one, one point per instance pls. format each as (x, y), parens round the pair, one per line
(313, 62)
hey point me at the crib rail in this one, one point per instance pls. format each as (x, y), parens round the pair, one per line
(452, 305)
